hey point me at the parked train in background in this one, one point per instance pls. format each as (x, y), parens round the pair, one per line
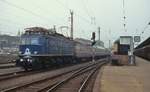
(143, 49)
(41, 48)
(143, 52)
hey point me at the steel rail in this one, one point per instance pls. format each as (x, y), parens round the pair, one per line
(88, 78)
(70, 77)
(18, 74)
(38, 81)
(10, 75)
(60, 82)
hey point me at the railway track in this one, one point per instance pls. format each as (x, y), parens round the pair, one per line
(7, 65)
(21, 73)
(76, 82)
(52, 83)
(10, 75)
(9, 71)
(11, 82)
(84, 86)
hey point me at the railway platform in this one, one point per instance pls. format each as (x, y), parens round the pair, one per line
(125, 78)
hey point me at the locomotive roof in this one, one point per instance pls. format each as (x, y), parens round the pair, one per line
(39, 30)
(42, 31)
(36, 29)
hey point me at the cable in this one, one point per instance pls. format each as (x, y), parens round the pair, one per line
(47, 10)
(14, 16)
(89, 14)
(25, 10)
(24, 23)
(145, 28)
(84, 19)
(67, 8)
(64, 6)
(86, 9)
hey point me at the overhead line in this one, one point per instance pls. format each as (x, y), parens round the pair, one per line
(86, 9)
(63, 5)
(25, 10)
(145, 28)
(93, 21)
(7, 14)
(84, 19)
(46, 10)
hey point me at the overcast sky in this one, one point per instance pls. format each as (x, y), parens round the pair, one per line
(16, 15)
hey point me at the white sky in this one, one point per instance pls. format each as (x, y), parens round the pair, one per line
(108, 15)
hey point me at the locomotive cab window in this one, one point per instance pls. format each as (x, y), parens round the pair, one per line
(30, 41)
(35, 41)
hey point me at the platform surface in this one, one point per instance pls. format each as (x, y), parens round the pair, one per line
(126, 78)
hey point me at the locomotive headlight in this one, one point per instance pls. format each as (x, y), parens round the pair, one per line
(35, 52)
(21, 60)
(28, 60)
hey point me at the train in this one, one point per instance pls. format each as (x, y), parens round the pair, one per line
(143, 52)
(143, 49)
(41, 48)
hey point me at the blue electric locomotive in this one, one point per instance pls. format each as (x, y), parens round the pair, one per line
(40, 48)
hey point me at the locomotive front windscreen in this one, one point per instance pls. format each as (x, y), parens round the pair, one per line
(30, 41)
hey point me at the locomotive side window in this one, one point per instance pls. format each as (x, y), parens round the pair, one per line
(34, 41)
(30, 41)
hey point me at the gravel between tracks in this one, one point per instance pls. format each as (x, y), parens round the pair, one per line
(74, 84)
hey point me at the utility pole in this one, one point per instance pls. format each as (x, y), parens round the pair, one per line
(109, 44)
(109, 39)
(99, 33)
(54, 28)
(71, 33)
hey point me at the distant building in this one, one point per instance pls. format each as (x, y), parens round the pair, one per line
(7, 41)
